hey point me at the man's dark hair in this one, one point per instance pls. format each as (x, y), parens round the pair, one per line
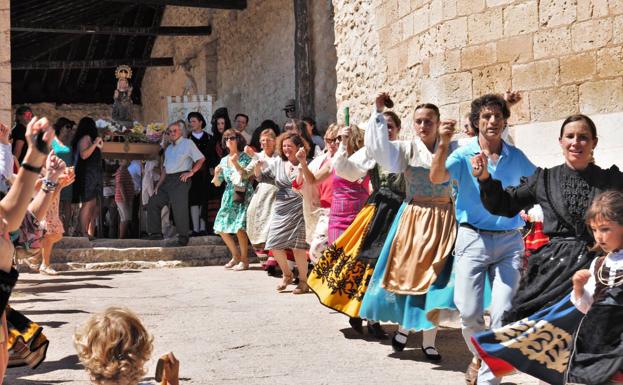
(197, 115)
(243, 115)
(488, 100)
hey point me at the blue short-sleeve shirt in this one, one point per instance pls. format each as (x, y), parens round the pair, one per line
(510, 168)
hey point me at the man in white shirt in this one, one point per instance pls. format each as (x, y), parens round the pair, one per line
(182, 159)
(241, 122)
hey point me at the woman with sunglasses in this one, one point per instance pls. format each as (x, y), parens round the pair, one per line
(232, 216)
(287, 226)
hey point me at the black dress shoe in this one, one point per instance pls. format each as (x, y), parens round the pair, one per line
(396, 344)
(431, 353)
(356, 324)
(155, 237)
(377, 331)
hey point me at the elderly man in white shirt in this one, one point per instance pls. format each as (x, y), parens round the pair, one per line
(182, 159)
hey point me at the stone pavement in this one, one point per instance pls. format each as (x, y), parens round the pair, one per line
(227, 328)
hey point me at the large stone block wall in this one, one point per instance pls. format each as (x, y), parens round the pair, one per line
(5, 62)
(565, 56)
(252, 71)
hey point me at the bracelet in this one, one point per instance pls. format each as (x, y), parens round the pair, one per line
(31, 168)
(48, 185)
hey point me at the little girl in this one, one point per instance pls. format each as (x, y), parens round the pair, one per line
(598, 292)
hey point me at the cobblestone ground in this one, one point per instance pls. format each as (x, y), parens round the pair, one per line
(227, 328)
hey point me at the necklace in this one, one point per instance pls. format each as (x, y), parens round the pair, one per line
(611, 281)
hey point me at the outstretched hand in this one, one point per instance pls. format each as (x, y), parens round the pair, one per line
(512, 97)
(381, 101)
(39, 128)
(446, 131)
(55, 167)
(301, 155)
(479, 166)
(249, 151)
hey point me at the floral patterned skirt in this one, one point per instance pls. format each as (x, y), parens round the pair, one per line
(341, 276)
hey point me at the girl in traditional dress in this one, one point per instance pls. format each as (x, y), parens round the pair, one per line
(564, 193)
(410, 285)
(341, 276)
(232, 216)
(543, 344)
(287, 226)
(260, 209)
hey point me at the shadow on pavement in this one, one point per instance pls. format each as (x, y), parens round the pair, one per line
(98, 273)
(52, 324)
(57, 311)
(61, 280)
(36, 299)
(59, 288)
(70, 362)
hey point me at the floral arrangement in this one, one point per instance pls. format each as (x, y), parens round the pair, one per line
(113, 131)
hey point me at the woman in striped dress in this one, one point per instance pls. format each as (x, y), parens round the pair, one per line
(287, 226)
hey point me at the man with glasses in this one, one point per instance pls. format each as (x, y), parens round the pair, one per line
(182, 159)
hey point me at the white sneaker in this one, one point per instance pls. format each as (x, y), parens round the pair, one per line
(47, 270)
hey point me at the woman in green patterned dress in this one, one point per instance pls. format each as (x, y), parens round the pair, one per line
(232, 216)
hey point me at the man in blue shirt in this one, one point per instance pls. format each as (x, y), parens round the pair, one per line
(486, 244)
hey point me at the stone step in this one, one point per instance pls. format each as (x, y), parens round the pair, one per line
(80, 253)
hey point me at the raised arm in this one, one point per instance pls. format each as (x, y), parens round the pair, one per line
(438, 171)
(388, 155)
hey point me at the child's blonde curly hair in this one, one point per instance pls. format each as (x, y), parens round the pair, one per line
(114, 346)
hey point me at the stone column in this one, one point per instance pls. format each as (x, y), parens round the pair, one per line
(303, 62)
(5, 63)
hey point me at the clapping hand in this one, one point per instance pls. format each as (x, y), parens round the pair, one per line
(249, 151)
(218, 170)
(68, 177)
(580, 279)
(479, 166)
(39, 128)
(301, 155)
(4, 134)
(99, 142)
(55, 167)
(344, 132)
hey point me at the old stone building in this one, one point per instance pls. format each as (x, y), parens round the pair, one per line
(565, 56)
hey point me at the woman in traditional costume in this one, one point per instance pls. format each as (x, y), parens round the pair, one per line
(411, 285)
(341, 276)
(287, 226)
(564, 193)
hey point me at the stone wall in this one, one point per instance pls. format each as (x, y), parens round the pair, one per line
(5, 62)
(247, 62)
(564, 56)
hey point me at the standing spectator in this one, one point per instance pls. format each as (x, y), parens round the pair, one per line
(312, 132)
(219, 124)
(86, 147)
(6, 160)
(290, 109)
(485, 243)
(182, 160)
(197, 197)
(23, 115)
(124, 197)
(53, 224)
(255, 138)
(232, 216)
(242, 121)
(61, 145)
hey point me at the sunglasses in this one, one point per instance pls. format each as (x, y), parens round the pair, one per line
(331, 140)
(228, 138)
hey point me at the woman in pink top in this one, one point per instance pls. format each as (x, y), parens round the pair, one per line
(348, 197)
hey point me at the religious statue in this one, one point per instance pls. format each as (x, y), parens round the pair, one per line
(123, 106)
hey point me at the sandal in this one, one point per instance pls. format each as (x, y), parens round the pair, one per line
(301, 288)
(232, 262)
(287, 279)
(471, 374)
(431, 353)
(241, 266)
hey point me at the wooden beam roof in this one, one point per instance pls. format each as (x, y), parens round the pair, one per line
(217, 4)
(115, 30)
(103, 63)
